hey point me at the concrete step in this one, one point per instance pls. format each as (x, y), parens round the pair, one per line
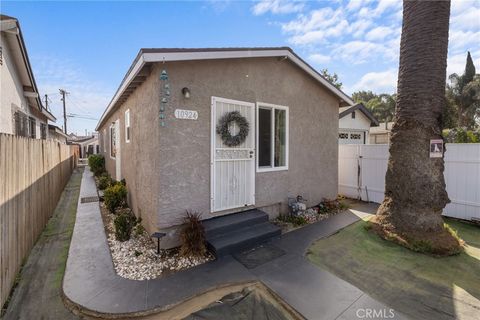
(243, 238)
(232, 222)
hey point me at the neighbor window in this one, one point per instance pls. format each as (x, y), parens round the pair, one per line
(353, 115)
(127, 125)
(272, 137)
(43, 130)
(113, 142)
(32, 127)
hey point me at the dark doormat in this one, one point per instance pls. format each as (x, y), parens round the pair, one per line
(257, 256)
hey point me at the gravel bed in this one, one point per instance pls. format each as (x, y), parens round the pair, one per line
(137, 258)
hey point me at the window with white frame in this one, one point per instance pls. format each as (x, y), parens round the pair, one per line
(113, 141)
(127, 125)
(105, 140)
(272, 137)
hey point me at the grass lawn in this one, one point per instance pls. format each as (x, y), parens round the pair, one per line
(417, 285)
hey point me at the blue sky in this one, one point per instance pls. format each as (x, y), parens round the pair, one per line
(87, 47)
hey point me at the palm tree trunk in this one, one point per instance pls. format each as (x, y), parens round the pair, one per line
(414, 185)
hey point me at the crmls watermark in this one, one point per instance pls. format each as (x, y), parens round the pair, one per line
(368, 313)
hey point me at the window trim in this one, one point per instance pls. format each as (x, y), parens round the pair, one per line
(105, 140)
(112, 126)
(272, 107)
(127, 139)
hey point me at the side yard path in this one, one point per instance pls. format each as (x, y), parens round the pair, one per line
(38, 293)
(92, 286)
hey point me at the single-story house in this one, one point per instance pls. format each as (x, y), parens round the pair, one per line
(87, 144)
(57, 134)
(21, 110)
(381, 133)
(354, 124)
(219, 131)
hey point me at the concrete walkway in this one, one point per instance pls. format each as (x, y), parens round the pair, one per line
(91, 283)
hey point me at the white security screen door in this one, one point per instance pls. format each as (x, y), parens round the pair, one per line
(232, 168)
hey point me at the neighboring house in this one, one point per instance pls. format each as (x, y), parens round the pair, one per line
(55, 133)
(381, 133)
(87, 144)
(21, 110)
(354, 124)
(159, 133)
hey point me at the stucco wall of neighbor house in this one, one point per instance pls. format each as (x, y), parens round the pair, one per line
(140, 157)
(185, 144)
(361, 122)
(11, 93)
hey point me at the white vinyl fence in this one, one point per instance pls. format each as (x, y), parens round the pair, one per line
(362, 168)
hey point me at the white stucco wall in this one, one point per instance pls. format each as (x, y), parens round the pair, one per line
(11, 92)
(361, 122)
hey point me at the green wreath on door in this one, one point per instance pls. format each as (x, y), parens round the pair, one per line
(224, 132)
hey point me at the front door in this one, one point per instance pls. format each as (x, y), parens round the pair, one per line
(232, 167)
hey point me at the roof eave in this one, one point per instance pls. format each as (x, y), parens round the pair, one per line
(151, 56)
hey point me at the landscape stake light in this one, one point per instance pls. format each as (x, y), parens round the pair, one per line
(158, 235)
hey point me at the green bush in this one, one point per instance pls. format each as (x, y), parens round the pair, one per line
(104, 181)
(115, 196)
(124, 224)
(138, 230)
(295, 220)
(96, 162)
(193, 235)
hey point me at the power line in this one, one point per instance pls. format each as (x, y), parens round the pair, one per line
(80, 116)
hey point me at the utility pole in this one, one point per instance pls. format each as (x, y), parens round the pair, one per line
(46, 102)
(64, 93)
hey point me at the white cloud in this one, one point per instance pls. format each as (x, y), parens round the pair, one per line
(358, 52)
(277, 7)
(315, 21)
(467, 19)
(319, 58)
(87, 97)
(359, 35)
(385, 5)
(378, 33)
(384, 82)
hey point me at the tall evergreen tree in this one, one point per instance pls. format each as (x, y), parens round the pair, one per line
(469, 70)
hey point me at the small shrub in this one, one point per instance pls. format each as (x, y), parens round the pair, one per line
(115, 196)
(96, 162)
(193, 236)
(138, 229)
(297, 221)
(104, 181)
(124, 224)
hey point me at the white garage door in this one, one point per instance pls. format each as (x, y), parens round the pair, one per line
(351, 137)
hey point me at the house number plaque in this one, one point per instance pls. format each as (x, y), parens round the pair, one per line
(186, 114)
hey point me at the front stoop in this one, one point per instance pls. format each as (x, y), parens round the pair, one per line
(239, 231)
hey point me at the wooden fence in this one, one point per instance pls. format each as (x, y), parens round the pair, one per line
(362, 168)
(33, 174)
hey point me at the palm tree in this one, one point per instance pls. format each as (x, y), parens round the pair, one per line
(414, 184)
